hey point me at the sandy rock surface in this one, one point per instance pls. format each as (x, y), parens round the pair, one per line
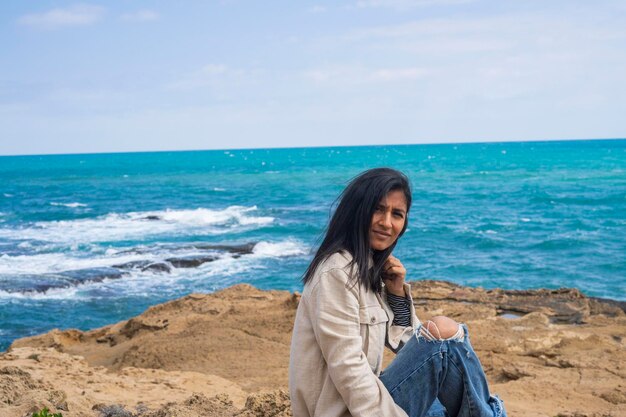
(545, 352)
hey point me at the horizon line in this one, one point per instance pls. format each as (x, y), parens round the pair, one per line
(472, 142)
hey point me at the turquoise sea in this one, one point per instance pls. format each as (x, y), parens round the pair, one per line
(88, 240)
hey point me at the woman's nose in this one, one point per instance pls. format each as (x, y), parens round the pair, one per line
(386, 219)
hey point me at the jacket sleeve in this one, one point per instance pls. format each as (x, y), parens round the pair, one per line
(398, 336)
(336, 326)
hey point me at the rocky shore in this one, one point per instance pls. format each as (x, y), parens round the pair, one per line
(545, 352)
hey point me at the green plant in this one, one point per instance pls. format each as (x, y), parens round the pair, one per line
(45, 413)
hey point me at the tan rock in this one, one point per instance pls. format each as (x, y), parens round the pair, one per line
(546, 352)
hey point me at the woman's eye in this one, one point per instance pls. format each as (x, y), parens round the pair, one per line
(399, 215)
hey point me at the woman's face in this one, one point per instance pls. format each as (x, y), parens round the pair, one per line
(388, 220)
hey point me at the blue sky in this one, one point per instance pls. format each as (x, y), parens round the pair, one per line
(132, 75)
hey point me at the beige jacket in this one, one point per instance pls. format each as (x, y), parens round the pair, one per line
(337, 346)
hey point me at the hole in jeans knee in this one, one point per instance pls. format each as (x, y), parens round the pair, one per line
(423, 333)
(433, 329)
(430, 331)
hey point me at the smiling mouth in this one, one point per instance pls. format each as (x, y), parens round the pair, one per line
(382, 233)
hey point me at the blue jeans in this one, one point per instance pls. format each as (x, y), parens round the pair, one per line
(428, 375)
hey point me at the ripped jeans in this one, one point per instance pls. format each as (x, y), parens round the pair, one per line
(429, 374)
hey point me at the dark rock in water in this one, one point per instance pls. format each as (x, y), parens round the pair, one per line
(80, 276)
(37, 287)
(32, 283)
(195, 261)
(145, 266)
(191, 261)
(151, 217)
(244, 249)
(133, 265)
(186, 261)
(158, 267)
(66, 279)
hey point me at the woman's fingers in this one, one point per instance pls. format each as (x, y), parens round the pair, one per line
(390, 263)
(394, 267)
(394, 274)
(395, 270)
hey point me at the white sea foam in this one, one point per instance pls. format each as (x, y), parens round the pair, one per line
(134, 225)
(201, 217)
(225, 267)
(48, 263)
(70, 293)
(220, 271)
(284, 248)
(71, 205)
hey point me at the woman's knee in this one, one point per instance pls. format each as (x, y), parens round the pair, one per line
(442, 327)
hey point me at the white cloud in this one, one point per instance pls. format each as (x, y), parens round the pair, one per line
(513, 72)
(141, 16)
(317, 9)
(211, 75)
(459, 26)
(84, 97)
(408, 4)
(350, 75)
(398, 74)
(213, 69)
(541, 67)
(78, 15)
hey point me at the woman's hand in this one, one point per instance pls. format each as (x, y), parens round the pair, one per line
(394, 274)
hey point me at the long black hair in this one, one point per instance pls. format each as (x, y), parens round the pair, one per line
(349, 226)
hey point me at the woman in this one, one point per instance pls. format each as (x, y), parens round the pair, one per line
(355, 301)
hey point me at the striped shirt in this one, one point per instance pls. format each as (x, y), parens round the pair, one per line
(401, 307)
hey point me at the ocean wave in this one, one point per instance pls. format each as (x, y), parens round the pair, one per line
(135, 272)
(123, 258)
(71, 205)
(177, 256)
(136, 225)
(70, 293)
(49, 263)
(579, 199)
(201, 217)
(277, 249)
(561, 244)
